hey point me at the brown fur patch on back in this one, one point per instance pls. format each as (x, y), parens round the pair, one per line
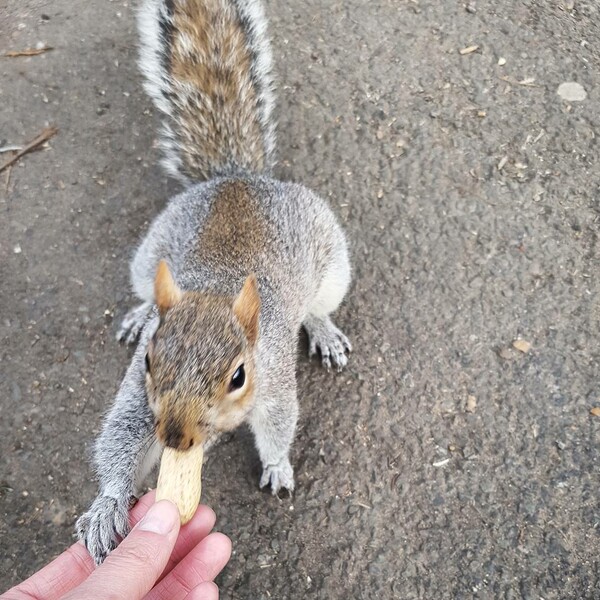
(236, 231)
(216, 104)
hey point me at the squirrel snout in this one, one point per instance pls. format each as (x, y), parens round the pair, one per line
(173, 433)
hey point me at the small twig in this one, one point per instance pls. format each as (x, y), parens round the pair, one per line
(28, 52)
(528, 82)
(33, 145)
(12, 148)
(7, 182)
(468, 50)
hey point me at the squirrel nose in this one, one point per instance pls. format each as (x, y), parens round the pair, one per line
(174, 433)
(171, 434)
(173, 439)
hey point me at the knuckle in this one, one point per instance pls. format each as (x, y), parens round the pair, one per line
(138, 553)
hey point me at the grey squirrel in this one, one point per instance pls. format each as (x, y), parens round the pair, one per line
(228, 272)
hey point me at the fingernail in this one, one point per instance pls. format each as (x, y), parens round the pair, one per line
(161, 518)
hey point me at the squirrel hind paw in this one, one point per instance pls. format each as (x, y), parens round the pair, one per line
(102, 528)
(324, 337)
(278, 477)
(133, 323)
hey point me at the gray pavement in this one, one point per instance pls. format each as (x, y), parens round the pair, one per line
(444, 462)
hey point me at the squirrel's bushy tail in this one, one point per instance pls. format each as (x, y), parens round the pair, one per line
(207, 65)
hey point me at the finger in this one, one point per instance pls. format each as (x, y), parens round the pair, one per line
(57, 578)
(131, 570)
(189, 535)
(202, 564)
(142, 506)
(204, 591)
(72, 567)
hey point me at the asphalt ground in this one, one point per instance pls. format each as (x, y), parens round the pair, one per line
(446, 461)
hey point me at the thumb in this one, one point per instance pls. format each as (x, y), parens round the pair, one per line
(131, 570)
(205, 591)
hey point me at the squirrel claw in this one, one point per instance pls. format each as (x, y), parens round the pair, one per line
(278, 476)
(103, 525)
(326, 338)
(133, 323)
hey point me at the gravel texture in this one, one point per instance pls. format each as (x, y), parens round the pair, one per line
(444, 462)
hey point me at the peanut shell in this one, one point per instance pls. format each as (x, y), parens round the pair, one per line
(179, 479)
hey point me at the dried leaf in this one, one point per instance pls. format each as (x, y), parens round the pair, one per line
(595, 411)
(28, 52)
(522, 346)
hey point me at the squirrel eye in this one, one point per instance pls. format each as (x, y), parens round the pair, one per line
(238, 379)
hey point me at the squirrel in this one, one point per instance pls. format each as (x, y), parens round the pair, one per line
(227, 274)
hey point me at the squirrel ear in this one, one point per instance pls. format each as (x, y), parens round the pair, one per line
(166, 291)
(246, 308)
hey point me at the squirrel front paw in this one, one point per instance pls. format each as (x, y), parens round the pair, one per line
(280, 475)
(133, 323)
(325, 337)
(103, 526)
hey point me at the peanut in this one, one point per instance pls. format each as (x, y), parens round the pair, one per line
(179, 479)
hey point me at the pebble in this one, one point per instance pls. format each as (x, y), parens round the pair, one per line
(471, 404)
(571, 91)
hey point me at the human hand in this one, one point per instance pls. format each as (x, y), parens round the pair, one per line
(158, 560)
